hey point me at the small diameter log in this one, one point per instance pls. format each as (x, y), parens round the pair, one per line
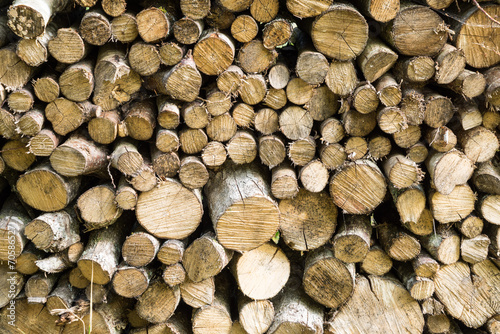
(298, 91)
(475, 250)
(126, 158)
(63, 295)
(218, 102)
(376, 262)
(114, 8)
(417, 69)
(277, 32)
(181, 82)
(388, 90)
(303, 9)
(341, 77)
(449, 169)
(401, 171)
(358, 188)
(326, 279)
(255, 316)
(131, 282)
(205, 258)
(167, 140)
(358, 124)
(98, 293)
(470, 84)
(469, 114)
(311, 66)
(154, 24)
(192, 140)
(323, 104)
(16, 155)
(295, 122)
(410, 203)
(221, 128)
(450, 62)
(456, 289)
(21, 100)
(379, 147)
(139, 249)
(443, 244)
(97, 207)
(471, 226)
(14, 73)
(46, 87)
(187, 31)
(140, 120)
(244, 28)
(253, 89)
(242, 148)
(77, 280)
(216, 317)
(275, 98)
(198, 294)
(391, 120)
(441, 139)
(214, 52)
(398, 244)
(103, 128)
(376, 59)
(454, 206)
(174, 274)
(169, 211)
(115, 81)
(471, 20)
(171, 251)
(378, 11)
(43, 143)
(165, 164)
(371, 296)
(284, 183)
(302, 151)
(486, 177)
(99, 260)
(25, 262)
(266, 121)
(479, 144)
(45, 190)
(68, 47)
(261, 272)
(438, 109)
(356, 148)
(79, 156)
(195, 9)
(214, 154)
(424, 265)
(243, 213)
(95, 27)
(54, 231)
(66, 116)
(193, 173)
(124, 27)
(168, 113)
(493, 325)
(264, 11)
(254, 57)
(28, 19)
(279, 75)
(145, 179)
(39, 286)
(489, 206)
(340, 19)
(314, 176)
(272, 150)
(420, 288)
(308, 220)
(171, 53)
(332, 130)
(31, 122)
(417, 152)
(352, 240)
(13, 219)
(413, 105)
(332, 155)
(144, 58)
(365, 99)
(55, 263)
(230, 80)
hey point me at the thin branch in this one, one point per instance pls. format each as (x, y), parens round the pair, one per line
(485, 13)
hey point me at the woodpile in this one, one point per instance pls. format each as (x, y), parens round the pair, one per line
(241, 166)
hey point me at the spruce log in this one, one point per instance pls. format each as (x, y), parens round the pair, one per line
(417, 152)
(479, 144)
(441, 139)
(358, 188)
(314, 176)
(192, 140)
(489, 206)
(264, 11)
(295, 122)
(230, 80)
(195, 9)
(193, 173)
(332, 130)
(275, 98)
(242, 212)
(307, 221)
(332, 155)
(391, 120)
(242, 148)
(114, 8)
(307, 8)
(99, 260)
(401, 171)
(358, 124)
(169, 211)
(253, 89)
(471, 226)
(266, 121)
(279, 75)
(380, 146)
(43, 143)
(365, 99)
(438, 109)
(302, 151)
(103, 128)
(221, 128)
(187, 30)
(326, 279)
(254, 57)
(261, 272)
(373, 295)
(381, 12)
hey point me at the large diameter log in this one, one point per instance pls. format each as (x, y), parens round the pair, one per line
(416, 31)
(29, 318)
(371, 296)
(28, 19)
(242, 210)
(45, 190)
(359, 187)
(471, 301)
(473, 24)
(169, 211)
(99, 260)
(340, 20)
(262, 272)
(326, 279)
(308, 220)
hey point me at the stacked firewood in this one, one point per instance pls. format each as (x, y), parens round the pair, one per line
(249, 166)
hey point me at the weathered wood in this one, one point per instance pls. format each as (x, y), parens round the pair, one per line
(95, 27)
(68, 46)
(14, 73)
(97, 207)
(284, 183)
(139, 249)
(131, 282)
(398, 244)
(198, 294)
(452, 207)
(448, 169)
(144, 58)
(124, 26)
(154, 24)
(376, 262)
(351, 243)
(174, 275)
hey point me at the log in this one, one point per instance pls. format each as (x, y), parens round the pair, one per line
(169, 211)
(295, 122)
(343, 20)
(171, 53)
(21, 100)
(448, 170)
(187, 30)
(192, 140)
(114, 8)
(326, 279)
(62, 297)
(37, 184)
(16, 155)
(67, 116)
(14, 73)
(379, 12)
(279, 75)
(266, 121)
(68, 47)
(245, 210)
(332, 155)
(219, 18)
(154, 24)
(95, 27)
(376, 262)
(469, 114)
(255, 316)
(25, 262)
(438, 109)
(140, 119)
(77, 280)
(253, 89)
(284, 183)
(443, 245)
(358, 124)
(388, 90)
(97, 207)
(46, 87)
(424, 265)
(307, 221)
(420, 288)
(144, 58)
(401, 172)
(489, 208)
(193, 174)
(99, 260)
(314, 176)
(171, 251)
(302, 151)
(103, 128)
(410, 203)
(450, 62)
(213, 53)
(417, 152)
(332, 131)
(272, 150)
(195, 9)
(380, 146)
(471, 226)
(475, 250)
(351, 243)
(124, 27)
(441, 139)
(174, 274)
(311, 66)
(453, 207)
(214, 154)
(376, 59)
(221, 128)
(398, 244)
(372, 295)
(479, 144)
(265, 264)
(131, 282)
(391, 120)
(11, 285)
(39, 286)
(198, 294)
(218, 102)
(139, 249)
(33, 318)
(341, 77)
(31, 123)
(470, 84)
(230, 80)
